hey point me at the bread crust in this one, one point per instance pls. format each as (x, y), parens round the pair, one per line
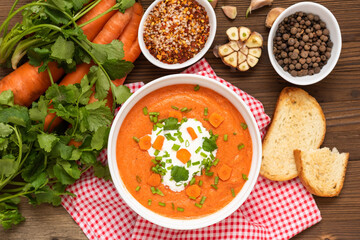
(306, 182)
(285, 94)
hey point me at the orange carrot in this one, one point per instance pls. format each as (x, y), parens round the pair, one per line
(154, 180)
(193, 191)
(192, 133)
(131, 30)
(93, 28)
(183, 155)
(28, 84)
(74, 143)
(224, 172)
(145, 142)
(114, 27)
(175, 114)
(158, 143)
(216, 119)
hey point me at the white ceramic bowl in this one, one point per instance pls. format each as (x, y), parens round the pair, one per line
(156, 62)
(240, 197)
(335, 36)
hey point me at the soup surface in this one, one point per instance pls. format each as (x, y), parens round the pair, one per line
(184, 151)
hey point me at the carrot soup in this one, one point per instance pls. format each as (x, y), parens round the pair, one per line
(184, 151)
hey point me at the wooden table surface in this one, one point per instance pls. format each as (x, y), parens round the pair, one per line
(338, 94)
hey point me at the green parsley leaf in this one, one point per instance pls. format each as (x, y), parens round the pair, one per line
(121, 93)
(125, 4)
(38, 55)
(209, 144)
(17, 115)
(63, 50)
(5, 130)
(99, 138)
(47, 141)
(7, 98)
(171, 124)
(8, 165)
(179, 174)
(9, 216)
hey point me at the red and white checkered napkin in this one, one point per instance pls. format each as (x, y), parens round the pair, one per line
(274, 210)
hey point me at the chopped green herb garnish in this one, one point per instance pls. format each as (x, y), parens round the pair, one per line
(225, 137)
(196, 163)
(159, 125)
(192, 181)
(169, 137)
(155, 119)
(175, 147)
(206, 110)
(244, 126)
(196, 88)
(188, 164)
(171, 124)
(240, 146)
(179, 173)
(153, 190)
(174, 107)
(198, 205)
(161, 120)
(203, 154)
(151, 118)
(198, 150)
(159, 192)
(172, 205)
(149, 202)
(187, 143)
(232, 192)
(234, 133)
(138, 179)
(156, 152)
(202, 200)
(209, 144)
(180, 209)
(145, 111)
(216, 180)
(158, 132)
(158, 158)
(216, 162)
(214, 186)
(180, 138)
(199, 129)
(162, 204)
(206, 119)
(154, 127)
(192, 198)
(166, 154)
(209, 174)
(244, 177)
(200, 183)
(212, 156)
(154, 161)
(154, 113)
(183, 109)
(136, 139)
(137, 188)
(168, 161)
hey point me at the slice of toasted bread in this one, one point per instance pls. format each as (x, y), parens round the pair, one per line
(322, 171)
(298, 123)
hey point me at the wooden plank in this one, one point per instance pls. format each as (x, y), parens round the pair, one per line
(338, 94)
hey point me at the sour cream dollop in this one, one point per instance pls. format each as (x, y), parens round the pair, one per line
(168, 155)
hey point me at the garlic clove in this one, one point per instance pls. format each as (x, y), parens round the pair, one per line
(244, 33)
(231, 60)
(244, 50)
(256, 52)
(241, 57)
(255, 40)
(252, 61)
(234, 45)
(256, 4)
(233, 34)
(225, 50)
(243, 66)
(272, 16)
(229, 11)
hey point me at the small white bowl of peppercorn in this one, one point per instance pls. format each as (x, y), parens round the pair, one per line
(174, 34)
(304, 43)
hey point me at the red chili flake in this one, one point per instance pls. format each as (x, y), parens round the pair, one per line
(176, 30)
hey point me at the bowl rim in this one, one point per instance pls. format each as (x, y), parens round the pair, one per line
(306, 7)
(195, 223)
(213, 25)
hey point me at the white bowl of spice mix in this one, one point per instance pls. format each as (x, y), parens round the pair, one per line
(174, 34)
(308, 46)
